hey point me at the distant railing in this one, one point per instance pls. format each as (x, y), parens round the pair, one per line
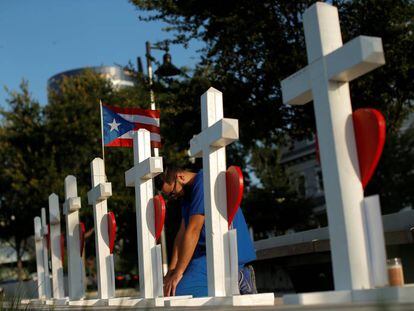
(398, 227)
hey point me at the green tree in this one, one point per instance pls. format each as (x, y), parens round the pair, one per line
(72, 122)
(40, 146)
(274, 205)
(250, 48)
(24, 164)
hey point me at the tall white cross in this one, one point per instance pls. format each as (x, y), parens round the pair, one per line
(55, 247)
(325, 81)
(97, 196)
(140, 176)
(39, 246)
(45, 231)
(71, 208)
(217, 133)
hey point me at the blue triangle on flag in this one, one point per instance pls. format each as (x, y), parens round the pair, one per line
(114, 125)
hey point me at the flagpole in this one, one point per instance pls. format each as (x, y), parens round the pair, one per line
(152, 97)
(163, 240)
(102, 133)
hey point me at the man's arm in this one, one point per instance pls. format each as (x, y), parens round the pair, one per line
(185, 253)
(177, 242)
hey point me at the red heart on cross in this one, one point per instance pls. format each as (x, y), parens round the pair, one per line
(369, 127)
(111, 231)
(234, 187)
(81, 237)
(159, 209)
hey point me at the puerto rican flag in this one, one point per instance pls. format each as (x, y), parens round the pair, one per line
(119, 124)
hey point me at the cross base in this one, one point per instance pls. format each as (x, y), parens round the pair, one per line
(49, 302)
(127, 302)
(33, 301)
(384, 294)
(88, 302)
(60, 301)
(143, 302)
(265, 299)
(52, 301)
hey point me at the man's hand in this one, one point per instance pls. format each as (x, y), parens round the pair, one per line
(171, 281)
(184, 253)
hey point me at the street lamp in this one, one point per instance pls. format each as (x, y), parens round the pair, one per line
(167, 69)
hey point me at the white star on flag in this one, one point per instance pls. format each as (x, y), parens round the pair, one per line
(114, 125)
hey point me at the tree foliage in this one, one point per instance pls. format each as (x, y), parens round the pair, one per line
(250, 48)
(274, 205)
(24, 164)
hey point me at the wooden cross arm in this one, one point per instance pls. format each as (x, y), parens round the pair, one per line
(220, 134)
(296, 89)
(54, 213)
(357, 57)
(71, 189)
(38, 229)
(147, 169)
(350, 61)
(99, 193)
(71, 205)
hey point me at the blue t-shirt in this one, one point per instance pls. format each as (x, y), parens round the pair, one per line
(193, 204)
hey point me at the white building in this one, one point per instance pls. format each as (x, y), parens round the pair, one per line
(304, 171)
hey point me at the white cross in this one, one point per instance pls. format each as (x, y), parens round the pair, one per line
(39, 246)
(97, 196)
(325, 80)
(211, 143)
(71, 208)
(45, 231)
(140, 176)
(55, 247)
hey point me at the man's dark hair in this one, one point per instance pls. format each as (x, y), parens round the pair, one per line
(168, 176)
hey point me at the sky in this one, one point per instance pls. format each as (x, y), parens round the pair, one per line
(40, 38)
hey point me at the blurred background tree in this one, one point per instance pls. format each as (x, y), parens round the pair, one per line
(24, 164)
(249, 48)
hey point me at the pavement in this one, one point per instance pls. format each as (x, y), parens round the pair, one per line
(278, 306)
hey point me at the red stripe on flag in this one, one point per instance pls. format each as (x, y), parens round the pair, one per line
(128, 143)
(149, 127)
(155, 144)
(135, 111)
(120, 142)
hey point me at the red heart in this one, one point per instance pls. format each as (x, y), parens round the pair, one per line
(159, 209)
(81, 237)
(369, 127)
(234, 186)
(111, 231)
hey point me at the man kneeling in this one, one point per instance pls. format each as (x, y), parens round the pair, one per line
(187, 273)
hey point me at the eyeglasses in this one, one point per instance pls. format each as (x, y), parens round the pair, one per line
(173, 194)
